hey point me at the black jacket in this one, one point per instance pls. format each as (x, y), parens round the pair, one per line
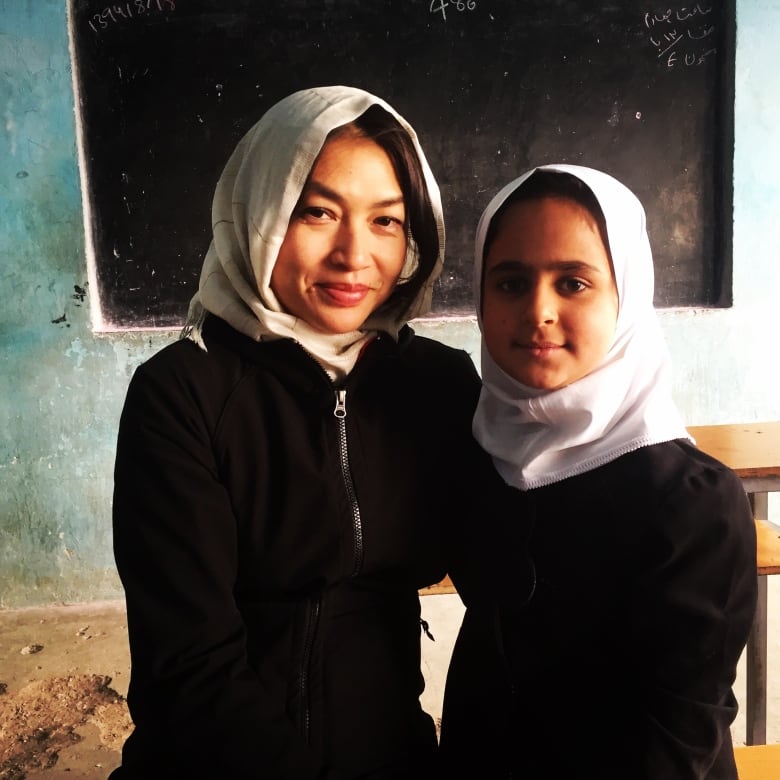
(271, 548)
(605, 617)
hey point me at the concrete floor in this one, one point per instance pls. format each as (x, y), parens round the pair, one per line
(73, 642)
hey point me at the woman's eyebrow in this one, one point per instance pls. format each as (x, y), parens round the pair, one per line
(326, 192)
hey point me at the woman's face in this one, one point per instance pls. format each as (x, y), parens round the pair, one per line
(346, 242)
(549, 301)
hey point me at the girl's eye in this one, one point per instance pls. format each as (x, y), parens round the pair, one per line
(572, 285)
(513, 286)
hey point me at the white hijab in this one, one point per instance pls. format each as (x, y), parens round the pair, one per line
(539, 437)
(252, 205)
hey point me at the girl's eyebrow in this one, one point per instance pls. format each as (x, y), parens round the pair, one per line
(326, 192)
(567, 266)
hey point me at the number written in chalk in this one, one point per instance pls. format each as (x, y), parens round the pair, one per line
(441, 6)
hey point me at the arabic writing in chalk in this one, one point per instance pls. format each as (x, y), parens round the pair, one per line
(682, 36)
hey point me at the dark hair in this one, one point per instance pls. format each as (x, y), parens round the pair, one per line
(380, 126)
(551, 184)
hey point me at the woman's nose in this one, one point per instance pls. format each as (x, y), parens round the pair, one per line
(350, 249)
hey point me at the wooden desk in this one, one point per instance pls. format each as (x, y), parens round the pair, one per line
(752, 450)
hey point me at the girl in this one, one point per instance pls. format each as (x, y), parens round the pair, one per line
(279, 476)
(611, 583)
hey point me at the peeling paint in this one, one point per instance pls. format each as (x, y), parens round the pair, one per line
(78, 351)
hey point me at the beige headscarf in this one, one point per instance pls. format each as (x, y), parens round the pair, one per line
(537, 437)
(252, 205)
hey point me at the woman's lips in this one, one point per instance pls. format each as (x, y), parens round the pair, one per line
(345, 294)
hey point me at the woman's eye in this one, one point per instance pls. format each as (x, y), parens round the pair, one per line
(314, 212)
(388, 221)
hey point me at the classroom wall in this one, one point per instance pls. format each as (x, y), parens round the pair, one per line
(62, 386)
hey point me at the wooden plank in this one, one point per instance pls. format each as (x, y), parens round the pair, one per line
(440, 588)
(757, 762)
(767, 548)
(750, 449)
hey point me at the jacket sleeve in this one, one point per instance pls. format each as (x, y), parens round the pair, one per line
(693, 614)
(199, 710)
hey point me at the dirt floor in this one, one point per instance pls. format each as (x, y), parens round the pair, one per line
(63, 678)
(64, 673)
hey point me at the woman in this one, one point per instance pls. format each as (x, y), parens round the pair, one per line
(280, 471)
(610, 584)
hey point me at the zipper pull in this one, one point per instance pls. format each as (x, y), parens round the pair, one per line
(340, 410)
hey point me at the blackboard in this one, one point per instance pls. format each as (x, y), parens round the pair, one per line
(166, 88)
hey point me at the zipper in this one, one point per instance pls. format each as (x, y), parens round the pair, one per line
(308, 646)
(340, 413)
(313, 612)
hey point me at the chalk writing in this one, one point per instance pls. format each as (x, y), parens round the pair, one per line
(682, 36)
(115, 13)
(441, 6)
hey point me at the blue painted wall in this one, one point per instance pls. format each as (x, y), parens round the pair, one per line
(62, 386)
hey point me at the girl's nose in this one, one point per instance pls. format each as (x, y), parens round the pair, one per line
(542, 305)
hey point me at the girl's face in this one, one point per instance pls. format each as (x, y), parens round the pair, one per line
(346, 242)
(549, 300)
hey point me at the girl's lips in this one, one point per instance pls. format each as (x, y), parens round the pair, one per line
(345, 294)
(541, 348)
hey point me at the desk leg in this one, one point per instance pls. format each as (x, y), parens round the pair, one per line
(757, 647)
(756, 672)
(759, 503)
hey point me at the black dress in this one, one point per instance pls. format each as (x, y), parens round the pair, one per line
(605, 617)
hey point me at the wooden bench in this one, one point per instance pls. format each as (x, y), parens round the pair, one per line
(767, 556)
(757, 762)
(752, 450)
(768, 548)
(440, 588)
